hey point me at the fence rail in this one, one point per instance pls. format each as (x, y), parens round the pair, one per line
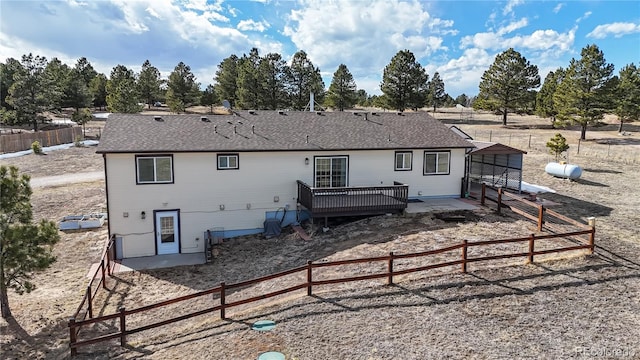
(529, 252)
(22, 141)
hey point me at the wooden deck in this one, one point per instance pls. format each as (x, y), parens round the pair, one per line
(352, 201)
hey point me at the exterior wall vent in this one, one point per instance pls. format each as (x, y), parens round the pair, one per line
(356, 113)
(400, 113)
(158, 118)
(374, 113)
(252, 112)
(204, 119)
(318, 112)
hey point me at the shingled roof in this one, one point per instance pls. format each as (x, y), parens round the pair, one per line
(275, 131)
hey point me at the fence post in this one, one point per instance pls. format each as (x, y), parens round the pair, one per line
(483, 193)
(529, 140)
(499, 199)
(73, 336)
(123, 327)
(592, 236)
(390, 269)
(531, 247)
(104, 280)
(309, 279)
(540, 217)
(222, 301)
(89, 300)
(464, 256)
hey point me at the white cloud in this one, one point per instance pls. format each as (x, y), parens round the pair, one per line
(364, 34)
(540, 40)
(252, 25)
(465, 72)
(617, 29)
(557, 8)
(584, 16)
(512, 27)
(508, 9)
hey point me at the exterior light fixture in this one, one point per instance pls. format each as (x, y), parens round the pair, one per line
(143, 215)
(306, 161)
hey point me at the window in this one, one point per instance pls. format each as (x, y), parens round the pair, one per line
(404, 159)
(228, 162)
(154, 169)
(436, 163)
(331, 171)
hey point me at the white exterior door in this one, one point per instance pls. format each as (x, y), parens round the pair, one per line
(167, 234)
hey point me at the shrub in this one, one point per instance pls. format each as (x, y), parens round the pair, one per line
(557, 145)
(36, 147)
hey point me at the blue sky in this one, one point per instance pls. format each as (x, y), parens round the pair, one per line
(459, 39)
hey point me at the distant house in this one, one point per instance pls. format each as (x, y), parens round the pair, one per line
(170, 178)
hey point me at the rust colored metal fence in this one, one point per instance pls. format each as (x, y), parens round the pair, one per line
(22, 141)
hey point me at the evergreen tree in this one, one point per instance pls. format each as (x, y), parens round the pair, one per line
(586, 91)
(227, 80)
(82, 117)
(404, 82)
(31, 91)
(209, 97)
(86, 70)
(545, 107)
(463, 100)
(272, 79)
(149, 83)
(76, 92)
(248, 90)
(56, 74)
(342, 91)
(557, 145)
(435, 90)
(24, 247)
(122, 94)
(7, 74)
(362, 98)
(182, 88)
(505, 85)
(628, 95)
(98, 89)
(304, 79)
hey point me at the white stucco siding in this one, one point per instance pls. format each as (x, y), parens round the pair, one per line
(199, 189)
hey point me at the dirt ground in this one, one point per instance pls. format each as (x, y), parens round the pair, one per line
(574, 307)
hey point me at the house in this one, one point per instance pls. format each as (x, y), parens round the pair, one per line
(170, 178)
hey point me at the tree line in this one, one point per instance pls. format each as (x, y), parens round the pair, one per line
(582, 93)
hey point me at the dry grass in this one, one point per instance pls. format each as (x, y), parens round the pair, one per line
(550, 310)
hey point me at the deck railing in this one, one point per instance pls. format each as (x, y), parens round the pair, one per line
(355, 200)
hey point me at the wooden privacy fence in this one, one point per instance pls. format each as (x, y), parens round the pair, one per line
(312, 271)
(22, 141)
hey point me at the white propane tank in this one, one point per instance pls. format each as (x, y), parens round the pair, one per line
(567, 171)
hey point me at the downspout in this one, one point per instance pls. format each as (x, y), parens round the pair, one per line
(106, 191)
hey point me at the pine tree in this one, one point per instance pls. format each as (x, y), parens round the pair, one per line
(248, 91)
(404, 82)
(98, 89)
(209, 97)
(342, 91)
(557, 145)
(505, 85)
(304, 79)
(8, 71)
(435, 90)
(587, 90)
(86, 70)
(122, 94)
(183, 90)
(272, 79)
(227, 80)
(149, 83)
(32, 91)
(24, 247)
(628, 95)
(545, 107)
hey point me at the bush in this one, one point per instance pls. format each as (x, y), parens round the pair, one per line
(36, 147)
(78, 142)
(557, 145)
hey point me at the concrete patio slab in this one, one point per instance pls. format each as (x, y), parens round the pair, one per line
(435, 205)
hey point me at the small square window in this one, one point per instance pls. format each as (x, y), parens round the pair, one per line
(436, 163)
(228, 162)
(154, 169)
(404, 160)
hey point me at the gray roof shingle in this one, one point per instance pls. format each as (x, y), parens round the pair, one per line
(275, 131)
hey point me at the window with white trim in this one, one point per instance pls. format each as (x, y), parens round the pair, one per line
(228, 162)
(403, 162)
(331, 171)
(436, 163)
(154, 169)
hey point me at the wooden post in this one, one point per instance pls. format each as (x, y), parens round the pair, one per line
(483, 193)
(592, 236)
(89, 300)
(531, 247)
(72, 336)
(499, 199)
(104, 279)
(540, 217)
(464, 256)
(529, 140)
(123, 327)
(390, 269)
(309, 278)
(222, 301)
(109, 258)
